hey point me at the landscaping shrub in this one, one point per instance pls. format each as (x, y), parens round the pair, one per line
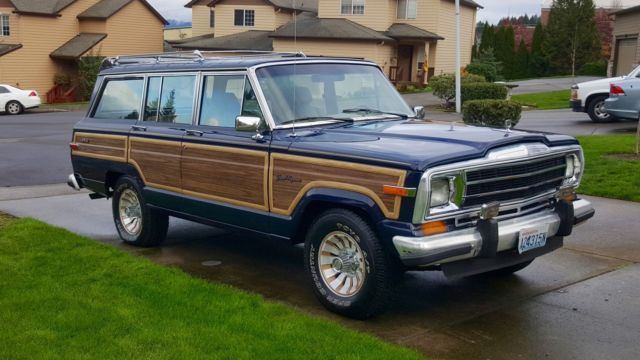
(483, 91)
(487, 70)
(444, 86)
(596, 68)
(88, 69)
(491, 112)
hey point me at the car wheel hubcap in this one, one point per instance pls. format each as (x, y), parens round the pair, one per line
(599, 110)
(14, 108)
(342, 266)
(130, 212)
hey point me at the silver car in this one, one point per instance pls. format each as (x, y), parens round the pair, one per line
(624, 99)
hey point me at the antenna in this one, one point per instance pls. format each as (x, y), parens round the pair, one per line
(295, 45)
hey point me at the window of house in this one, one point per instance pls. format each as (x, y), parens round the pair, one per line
(407, 9)
(120, 99)
(244, 17)
(170, 99)
(4, 25)
(352, 7)
(212, 19)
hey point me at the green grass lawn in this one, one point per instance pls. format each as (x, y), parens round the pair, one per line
(545, 100)
(607, 176)
(65, 296)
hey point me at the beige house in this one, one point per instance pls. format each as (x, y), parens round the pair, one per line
(42, 39)
(177, 33)
(626, 41)
(410, 39)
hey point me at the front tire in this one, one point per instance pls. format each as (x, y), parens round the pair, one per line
(351, 273)
(596, 110)
(137, 223)
(14, 108)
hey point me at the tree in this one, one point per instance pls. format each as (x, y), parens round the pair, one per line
(485, 64)
(572, 38)
(538, 65)
(504, 50)
(488, 39)
(521, 62)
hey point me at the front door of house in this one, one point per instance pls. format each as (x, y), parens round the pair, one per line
(405, 53)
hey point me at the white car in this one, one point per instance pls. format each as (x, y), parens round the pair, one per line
(589, 96)
(14, 101)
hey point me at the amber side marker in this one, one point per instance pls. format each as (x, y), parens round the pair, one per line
(569, 197)
(74, 146)
(399, 191)
(434, 227)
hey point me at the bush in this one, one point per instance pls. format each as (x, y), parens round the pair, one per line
(491, 112)
(88, 69)
(444, 86)
(483, 91)
(488, 71)
(596, 68)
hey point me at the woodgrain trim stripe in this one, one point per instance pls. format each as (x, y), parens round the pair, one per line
(393, 213)
(256, 153)
(137, 166)
(124, 149)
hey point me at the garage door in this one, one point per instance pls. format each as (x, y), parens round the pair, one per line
(626, 58)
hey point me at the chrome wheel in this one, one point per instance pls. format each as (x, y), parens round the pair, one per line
(130, 212)
(342, 265)
(599, 110)
(13, 108)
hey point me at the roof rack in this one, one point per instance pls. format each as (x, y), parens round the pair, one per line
(191, 56)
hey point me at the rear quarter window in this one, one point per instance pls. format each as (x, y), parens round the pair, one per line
(120, 99)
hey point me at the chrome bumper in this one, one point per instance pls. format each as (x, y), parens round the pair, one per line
(468, 243)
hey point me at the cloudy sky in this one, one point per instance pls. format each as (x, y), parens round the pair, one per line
(492, 12)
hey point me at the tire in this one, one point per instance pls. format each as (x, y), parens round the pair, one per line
(366, 287)
(14, 108)
(137, 223)
(595, 111)
(509, 270)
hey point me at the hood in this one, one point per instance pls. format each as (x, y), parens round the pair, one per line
(416, 145)
(600, 82)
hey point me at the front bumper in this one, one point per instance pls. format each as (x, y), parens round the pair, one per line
(576, 105)
(489, 236)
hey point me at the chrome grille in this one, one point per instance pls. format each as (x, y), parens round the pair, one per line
(515, 181)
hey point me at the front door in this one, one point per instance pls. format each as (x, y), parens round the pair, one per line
(226, 167)
(405, 53)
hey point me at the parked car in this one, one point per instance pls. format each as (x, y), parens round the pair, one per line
(325, 152)
(624, 99)
(14, 101)
(589, 96)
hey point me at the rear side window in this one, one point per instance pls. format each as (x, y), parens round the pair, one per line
(121, 99)
(4, 90)
(170, 99)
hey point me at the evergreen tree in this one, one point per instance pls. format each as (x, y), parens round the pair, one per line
(521, 62)
(504, 50)
(488, 40)
(537, 62)
(571, 36)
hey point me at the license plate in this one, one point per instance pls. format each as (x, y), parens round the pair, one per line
(532, 238)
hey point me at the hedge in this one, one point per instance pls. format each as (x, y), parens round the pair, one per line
(491, 112)
(444, 86)
(483, 91)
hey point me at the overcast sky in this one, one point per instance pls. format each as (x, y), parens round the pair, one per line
(492, 12)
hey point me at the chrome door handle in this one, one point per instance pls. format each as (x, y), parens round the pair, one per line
(138, 128)
(194, 133)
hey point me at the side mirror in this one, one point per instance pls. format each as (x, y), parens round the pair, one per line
(420, 113)
(248, 123)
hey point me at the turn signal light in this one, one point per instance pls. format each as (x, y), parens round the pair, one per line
(616, 90)
(398, 191)
(434, 227)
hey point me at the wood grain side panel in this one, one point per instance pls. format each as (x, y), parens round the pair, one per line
(101, 146)
(292, 176)
(235, 176)
(158, 161)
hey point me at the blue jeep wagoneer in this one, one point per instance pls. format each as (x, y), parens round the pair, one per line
(325, 152)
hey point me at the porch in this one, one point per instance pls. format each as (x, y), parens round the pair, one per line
(413, 56)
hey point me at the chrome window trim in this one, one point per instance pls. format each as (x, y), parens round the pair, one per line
(421, 212)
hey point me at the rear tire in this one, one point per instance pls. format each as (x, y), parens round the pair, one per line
(509, 270)
(596, 111)
(14, 108)
(351, 273)
(137, 223)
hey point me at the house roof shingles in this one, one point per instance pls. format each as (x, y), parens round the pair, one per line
(78, 46)
(247, 40)
(398, 31)
(104, 9)
(303, 5)
(7, 48)
(41, 7)
(318, 28)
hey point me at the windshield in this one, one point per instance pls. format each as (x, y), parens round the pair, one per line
(304, 92)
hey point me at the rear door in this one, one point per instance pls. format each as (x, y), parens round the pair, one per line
(155, 144)
(222, 166)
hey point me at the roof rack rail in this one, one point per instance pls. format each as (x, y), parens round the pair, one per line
(191, 56)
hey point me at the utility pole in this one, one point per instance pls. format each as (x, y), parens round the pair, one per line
(458, 91)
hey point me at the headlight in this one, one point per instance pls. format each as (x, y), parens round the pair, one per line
(440, 192)
(574, 169)
(447, 192)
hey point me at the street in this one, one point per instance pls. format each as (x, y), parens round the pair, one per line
(578, 302)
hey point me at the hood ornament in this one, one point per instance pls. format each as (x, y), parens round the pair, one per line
(507, 125)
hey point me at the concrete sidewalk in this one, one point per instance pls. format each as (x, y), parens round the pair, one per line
(578, 302)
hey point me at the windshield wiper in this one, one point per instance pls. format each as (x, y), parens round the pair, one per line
(316, 118)
(374, 111)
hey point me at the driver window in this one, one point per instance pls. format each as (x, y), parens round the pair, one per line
(221, 100)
